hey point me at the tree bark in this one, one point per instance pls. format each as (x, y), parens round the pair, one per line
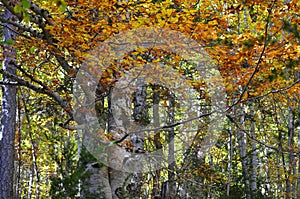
(158, 145)
(8, 119)
(242, 141)
(298, 128)
(95, 181)
(290, 188)
(230, 153)
(119, 123)
(171, 158)
(254, 160)
(141, 118)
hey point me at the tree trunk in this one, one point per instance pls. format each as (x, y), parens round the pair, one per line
(254, 160)
(298, 128)
(95, 181)
(171, 158)
(297, 77)
(158, 145)
(119, 124)
(290, 188)
(8, 116)
(230, 150)
(242, 141)
(141, 118)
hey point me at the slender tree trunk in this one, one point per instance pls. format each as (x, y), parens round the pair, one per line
(230, 149)
(8, 119)
(34, 172)
(254, 159)
(297, 77)
(29, 194)
(157, 142)
(171, 157)
(291, 165)
(242, 141)
(18, 176)
(298, 128)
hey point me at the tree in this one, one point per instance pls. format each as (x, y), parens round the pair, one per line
(8, 113)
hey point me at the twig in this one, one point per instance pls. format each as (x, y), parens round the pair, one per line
(273, 91)
(45, 90)
(163, 127)
(256, 140)
(9, 83)
(259, 60)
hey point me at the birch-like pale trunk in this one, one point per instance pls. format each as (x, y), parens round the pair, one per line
(119, 124)
(242, 141)
(254, 159)
(141, 117)
(158, 145)
(95, 181)
(229, 165)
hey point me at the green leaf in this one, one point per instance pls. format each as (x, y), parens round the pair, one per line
(25, 4)
(17, 8)
(112, 143)
(32, 49)
(9, 42)
(26, 17)
(55, 121)
(63, 6)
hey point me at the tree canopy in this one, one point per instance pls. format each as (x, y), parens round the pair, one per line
(153, 73)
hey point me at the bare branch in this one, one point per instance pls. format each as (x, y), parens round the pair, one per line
(28, 75)
(16, 32)
(35, 33)
(40, 11)
(9, 83)
(10, 6)
(40, 19)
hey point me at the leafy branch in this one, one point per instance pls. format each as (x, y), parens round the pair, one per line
(256, 69)
(44, 90)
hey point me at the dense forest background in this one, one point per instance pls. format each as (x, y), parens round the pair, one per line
(150, 99)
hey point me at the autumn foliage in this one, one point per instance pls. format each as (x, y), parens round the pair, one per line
(254, 45)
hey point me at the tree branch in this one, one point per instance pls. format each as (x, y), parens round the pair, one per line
(273, 91)
(256, 140)
(163, 127)
(40, 11)
(10, 83)
(35, 33)
(16, 32)
(44, 90)
(10, 6)
(259, 60)
(39, 19)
